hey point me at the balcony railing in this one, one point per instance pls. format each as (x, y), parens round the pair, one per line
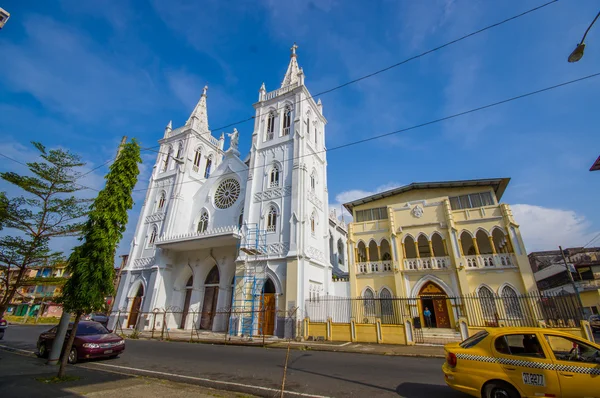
(490, 261)
(414, 264)
(373, 267)
(280, 91)
(591, 284)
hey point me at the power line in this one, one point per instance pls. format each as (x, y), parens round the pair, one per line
(480, 108)
(593, 239)
(394, 65)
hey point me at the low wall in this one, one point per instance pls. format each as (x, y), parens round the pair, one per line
(355, 332)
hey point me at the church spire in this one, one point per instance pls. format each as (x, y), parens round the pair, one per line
(199, 118)
(291, 76)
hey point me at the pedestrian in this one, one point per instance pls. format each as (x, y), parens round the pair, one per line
(427, 315)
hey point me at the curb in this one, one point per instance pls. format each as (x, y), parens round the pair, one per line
(283, 345)
(19, 351)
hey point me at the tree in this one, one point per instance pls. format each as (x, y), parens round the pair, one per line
(91, 264)
(48, 210)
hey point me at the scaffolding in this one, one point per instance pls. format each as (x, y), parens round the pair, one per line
(249, 281)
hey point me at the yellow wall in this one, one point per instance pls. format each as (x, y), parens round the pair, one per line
(341, 332)
(393, 334)
(366, 333)
(375, 282)
(590, 298)
(494, 279)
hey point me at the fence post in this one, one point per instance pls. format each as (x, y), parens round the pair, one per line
(463, 327)
(306, 327)
(328, 336)
(352, 331)
(162, 330)
(409, 331)
(586, 331)
(378, 331)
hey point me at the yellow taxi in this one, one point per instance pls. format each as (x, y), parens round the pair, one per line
(523, 362)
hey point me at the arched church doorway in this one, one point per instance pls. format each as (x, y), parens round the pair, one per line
(135, 307)
(266, 320)
(211, 296)
(434, 299)
(186, 302)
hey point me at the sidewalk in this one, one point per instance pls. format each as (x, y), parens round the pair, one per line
(426, 351)
(20, 377)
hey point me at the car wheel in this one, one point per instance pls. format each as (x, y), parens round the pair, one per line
(73, 356)
(498, 389)
(42, 350)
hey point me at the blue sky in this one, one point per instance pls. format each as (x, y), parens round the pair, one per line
(81, 74)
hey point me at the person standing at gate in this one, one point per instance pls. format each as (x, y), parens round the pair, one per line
(427, 315)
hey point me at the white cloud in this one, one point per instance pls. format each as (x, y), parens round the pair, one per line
(545, 228)
(353, 194)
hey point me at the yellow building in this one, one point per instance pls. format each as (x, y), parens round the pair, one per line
(435, 241)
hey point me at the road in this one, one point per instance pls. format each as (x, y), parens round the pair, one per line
(310, 373)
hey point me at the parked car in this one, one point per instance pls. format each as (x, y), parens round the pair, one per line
(523, 362)
(3, 326)
(96, 317)
(92, 340)
(594, 321)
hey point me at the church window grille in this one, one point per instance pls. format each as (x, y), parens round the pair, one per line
(313, 181)
(203, 223)
(166, 160)
(270, 126)
(227, 193)
(272, 219)
(179, 151)
(208, 165)
(274, 177)
(287, 120)
(161, 200)
(153, 235)
(197, 159)
(313, 222)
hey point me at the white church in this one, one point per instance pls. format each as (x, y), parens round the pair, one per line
(220, 238)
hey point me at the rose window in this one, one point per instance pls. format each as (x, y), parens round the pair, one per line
(227, 193)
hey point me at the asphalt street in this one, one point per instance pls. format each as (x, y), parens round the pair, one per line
(310, 373)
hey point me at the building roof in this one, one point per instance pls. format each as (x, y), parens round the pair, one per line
(499, 185)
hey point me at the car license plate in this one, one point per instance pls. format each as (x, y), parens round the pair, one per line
(110, 352)
(534, 379)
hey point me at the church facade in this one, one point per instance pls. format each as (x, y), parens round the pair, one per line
(204, 203)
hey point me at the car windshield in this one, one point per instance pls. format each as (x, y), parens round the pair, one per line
(84, 329)
(473, 340)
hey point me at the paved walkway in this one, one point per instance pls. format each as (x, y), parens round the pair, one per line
(22, 375)
(427, 351)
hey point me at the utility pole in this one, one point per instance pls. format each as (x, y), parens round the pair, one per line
(65, 318)
(562, 253)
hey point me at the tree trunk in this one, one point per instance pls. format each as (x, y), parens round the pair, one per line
(65, 355)
(10, 292)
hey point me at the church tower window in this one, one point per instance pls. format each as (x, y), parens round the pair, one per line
(197, 158)
(270, 126)
(287, 120)
(153, 235)
(274, 177)
(167, 157)
(313, 181)
(179, 151)
(207, 169)
(203, 223)
(161, 200)
(272, 219)
(313, 222)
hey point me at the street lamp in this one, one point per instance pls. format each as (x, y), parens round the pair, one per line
(578, 52)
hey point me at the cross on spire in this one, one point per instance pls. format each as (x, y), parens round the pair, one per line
(294, 47)
(204, 90)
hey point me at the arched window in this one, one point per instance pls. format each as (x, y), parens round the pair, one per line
(207, 169)
(510, 299)
(166, 159)
(340, 249)
(179, 151)
(161, 201)
(387, 305)
(313, 222)
(488, 303)
(331, 253)
(241, 218)
(316, 133)
(369, 302)
(287, 120)
(153, 235)
(313, 181)
(274, 176)
(203, 223)
(308, 125)
(272, 219)
(270, 126)
(197, 159)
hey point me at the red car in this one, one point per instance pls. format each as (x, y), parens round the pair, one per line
(92, 340)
